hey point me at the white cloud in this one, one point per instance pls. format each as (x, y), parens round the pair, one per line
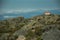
(49, 8)
(9, 16)
(15, 11)
(20, 10)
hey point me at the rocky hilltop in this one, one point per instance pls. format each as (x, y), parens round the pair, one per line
(40, 27)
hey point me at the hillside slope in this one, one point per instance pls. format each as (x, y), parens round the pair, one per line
(36, 28)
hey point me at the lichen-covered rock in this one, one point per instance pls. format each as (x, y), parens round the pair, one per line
(41, 27)
(53, 34)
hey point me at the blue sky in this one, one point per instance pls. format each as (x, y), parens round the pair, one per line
(24, 6)
(30, 4)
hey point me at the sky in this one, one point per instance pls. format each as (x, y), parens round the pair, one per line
(23, 6)
(29, 4)
(12, 4)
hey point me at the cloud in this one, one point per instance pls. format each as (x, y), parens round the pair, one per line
(49, 8)
(9, 16)
(15, 11)
(20, 10)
